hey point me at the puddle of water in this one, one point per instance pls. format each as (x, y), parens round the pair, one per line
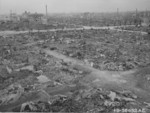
(43, 79)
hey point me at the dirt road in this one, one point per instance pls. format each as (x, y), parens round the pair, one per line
(2, 33)
(133, 80)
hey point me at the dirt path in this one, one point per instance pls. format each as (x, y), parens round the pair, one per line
(2, 33)
(133, 80)
(130, 31)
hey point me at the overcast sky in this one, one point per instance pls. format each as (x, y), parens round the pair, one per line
(66, 6)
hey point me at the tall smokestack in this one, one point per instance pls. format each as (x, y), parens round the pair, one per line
(117, 11)
(10, 14)
(136, 12)
(46, 11)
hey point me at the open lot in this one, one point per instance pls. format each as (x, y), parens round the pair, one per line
(86, 70)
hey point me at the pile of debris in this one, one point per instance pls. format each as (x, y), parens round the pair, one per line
(91, 100)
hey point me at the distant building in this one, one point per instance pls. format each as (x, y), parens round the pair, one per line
(25, 15)
(4, 18)
(145, 21)
(14, 17)
(44, 20)
(34, 17)
(37, 18)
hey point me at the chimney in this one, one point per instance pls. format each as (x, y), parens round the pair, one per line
(46, 11)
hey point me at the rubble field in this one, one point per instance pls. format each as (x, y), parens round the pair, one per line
(75, 71)
(103, 49)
